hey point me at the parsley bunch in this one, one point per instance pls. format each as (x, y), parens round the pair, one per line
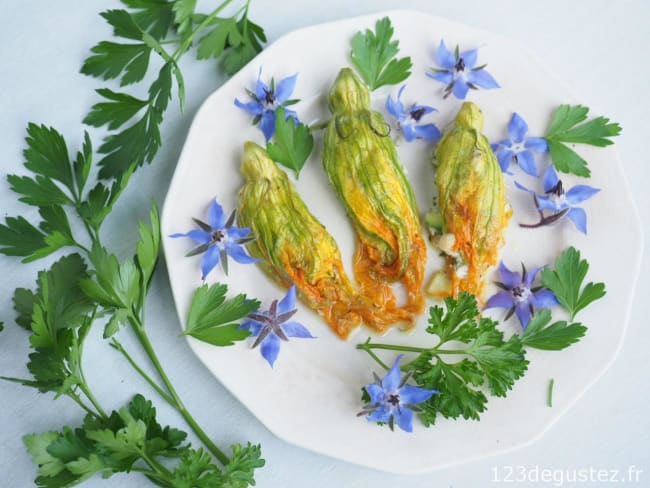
(89, 285)
(132, 440)
(470, 354)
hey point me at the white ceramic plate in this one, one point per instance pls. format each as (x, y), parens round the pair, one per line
(311, 396)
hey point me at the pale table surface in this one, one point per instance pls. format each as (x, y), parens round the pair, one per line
(599, 47)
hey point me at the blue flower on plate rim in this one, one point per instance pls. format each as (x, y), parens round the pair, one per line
(272, 326)
(518, 294)
(408, 121)
(558, 202)
(266, 99)
(392, 400)
(518, 147)
(218, 239)
(459, 72)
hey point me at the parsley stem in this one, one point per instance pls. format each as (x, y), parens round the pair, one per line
(118, 346)
(367, 346)
(82, 247)
(152, 474)
(155, 465)
(376, 358)
(85, 407)
(83, 386)
(391, 347)
(188, 40)
(177, 403)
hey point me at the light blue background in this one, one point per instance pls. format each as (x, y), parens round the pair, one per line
(599, 47)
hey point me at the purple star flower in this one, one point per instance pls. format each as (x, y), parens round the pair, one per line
(518, 147)
(267, 99)
(218, 239)
(407, 121)
(519, 295)
(560, 203)
(273, 325)
(459, 72)
(392, 400)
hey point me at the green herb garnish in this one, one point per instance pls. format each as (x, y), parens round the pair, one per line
(131, 439)
(487, 360)
(373, 55)
(549, 398)
(541, 334)
(567, 127)
(292, 142)
(215, 320)
(565, 280)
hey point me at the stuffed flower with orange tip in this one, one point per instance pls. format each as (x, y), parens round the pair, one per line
(473, 212)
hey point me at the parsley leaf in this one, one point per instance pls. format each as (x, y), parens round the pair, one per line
(148, 247)
(541, 334)
(225, 34)
(153, 16)
(458, 385)
(238, 473)
(139, 143)
(243, 48)
(112, 60)
(115, 284)
(196, 470)
(373, 53)
(213, 319)
(565, 280)
(47, 154)
(20, 238)
(38, 191)
(486, 360)
(567, 127)
(100, 200)
(24, 301)
(183, 11)
(292, 142)
(120, 108)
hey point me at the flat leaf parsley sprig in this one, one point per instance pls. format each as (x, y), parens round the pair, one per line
(144, 32)
(487, 359)
(569, 125)
(90, 283)
(374, 56)
(565, 279)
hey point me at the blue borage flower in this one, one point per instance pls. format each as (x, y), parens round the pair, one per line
(558, 202)
(267, 99)
(518, 294)
(273, 325)
(459, 72)
(392, 400)
(408, 120)
(518, 147)
(218, 239)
